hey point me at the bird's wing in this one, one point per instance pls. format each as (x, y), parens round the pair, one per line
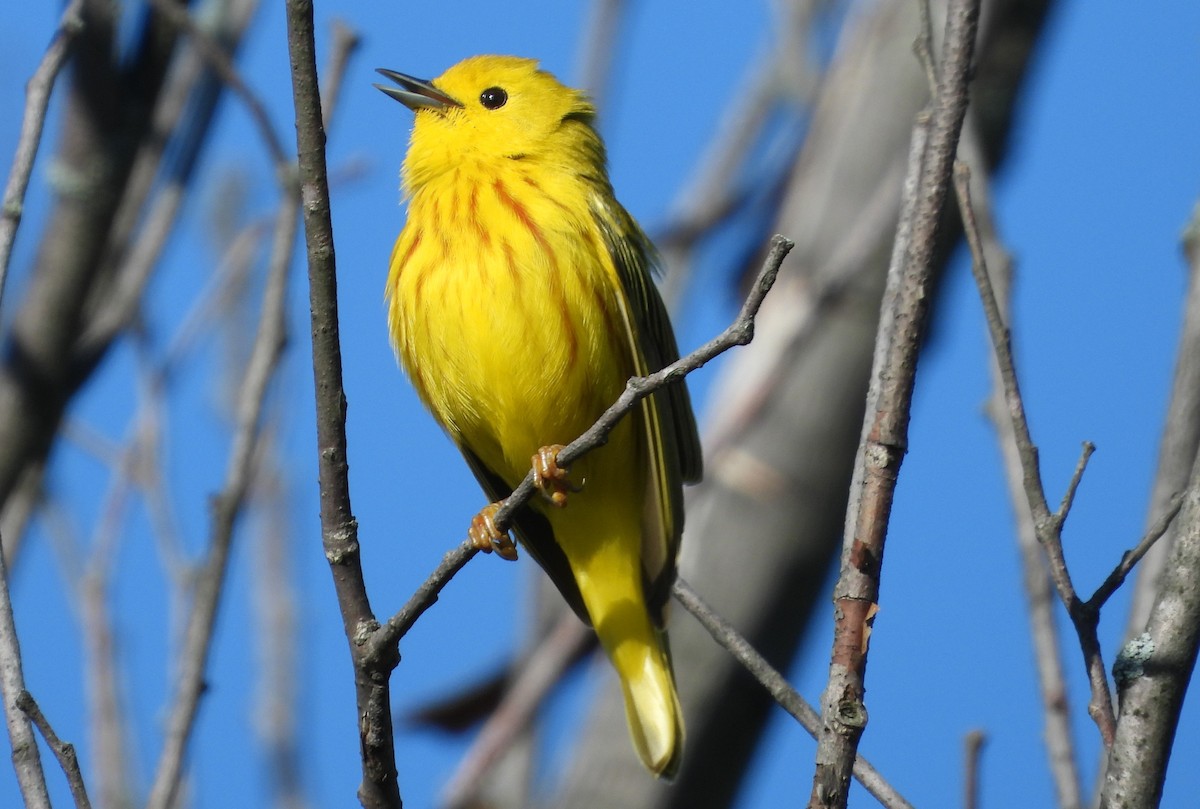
(670, 426)
(535, 533)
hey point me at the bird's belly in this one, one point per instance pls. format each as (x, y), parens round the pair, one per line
(517, 356)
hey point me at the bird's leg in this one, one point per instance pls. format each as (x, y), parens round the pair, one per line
(487, 537)
(550, 478)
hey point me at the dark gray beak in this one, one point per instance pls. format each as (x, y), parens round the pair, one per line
(416, 94)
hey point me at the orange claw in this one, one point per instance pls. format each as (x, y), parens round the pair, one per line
(550, 478)
(487, 537)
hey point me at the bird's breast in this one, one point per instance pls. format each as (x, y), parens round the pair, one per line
(505, 310)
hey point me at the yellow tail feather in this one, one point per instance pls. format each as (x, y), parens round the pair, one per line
(638, 652)
(652, 709)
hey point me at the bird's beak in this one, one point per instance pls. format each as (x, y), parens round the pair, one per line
(416, 94)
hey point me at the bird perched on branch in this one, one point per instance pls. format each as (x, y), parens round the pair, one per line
(520, 300)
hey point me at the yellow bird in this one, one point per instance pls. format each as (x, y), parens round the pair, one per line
(520, 300)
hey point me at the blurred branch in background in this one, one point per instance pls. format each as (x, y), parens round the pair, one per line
(132, 134)
(112, 157)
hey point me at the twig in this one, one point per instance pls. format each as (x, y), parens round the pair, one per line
(1047, 649)
(425, 597)
(740, 332)
(884, 439)
(37, 99)
(1131, 558)
(63, 751)
(1064, 508)
(973, 750)
(1047, 525)
(27, 761)
(779, 688)
(264, 360)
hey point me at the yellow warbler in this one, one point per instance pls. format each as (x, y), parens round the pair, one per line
(520, 301)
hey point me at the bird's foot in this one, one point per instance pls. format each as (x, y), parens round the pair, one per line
(551, 479)
(487, 536)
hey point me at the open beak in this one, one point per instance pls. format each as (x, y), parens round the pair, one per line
(416, 94)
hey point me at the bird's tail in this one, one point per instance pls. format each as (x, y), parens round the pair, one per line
(652, 706)
(638, 651)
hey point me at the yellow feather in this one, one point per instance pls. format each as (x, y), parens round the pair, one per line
(520, 301)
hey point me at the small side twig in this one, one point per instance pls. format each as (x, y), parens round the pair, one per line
(63, 751)
(1130, 558)
(1064, 508)
(740, 332)
(779, 688)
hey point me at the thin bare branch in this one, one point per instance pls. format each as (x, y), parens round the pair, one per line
(37, 99)
(1047, 526)
(779, 688)
(339, 529)
(885, 429)
(1040, 597)
(63, 751)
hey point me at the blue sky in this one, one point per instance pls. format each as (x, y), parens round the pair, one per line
(1103, 174)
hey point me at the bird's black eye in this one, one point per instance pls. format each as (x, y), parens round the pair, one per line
(493, 98)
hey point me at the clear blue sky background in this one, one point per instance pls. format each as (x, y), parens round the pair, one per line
(1103, 173)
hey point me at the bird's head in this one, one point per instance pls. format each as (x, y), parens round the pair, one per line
(490, 109)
